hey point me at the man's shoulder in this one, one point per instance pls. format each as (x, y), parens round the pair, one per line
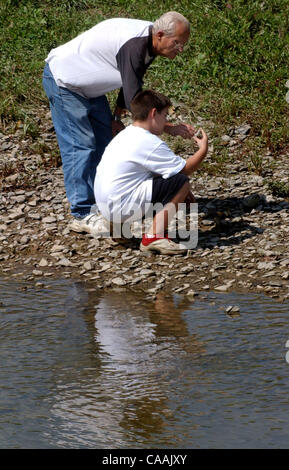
(121, 25)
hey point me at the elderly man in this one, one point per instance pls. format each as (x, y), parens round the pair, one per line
(113, 54)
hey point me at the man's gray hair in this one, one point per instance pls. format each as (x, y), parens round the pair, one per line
(167, 23)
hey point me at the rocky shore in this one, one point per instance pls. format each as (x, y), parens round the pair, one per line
(243, 228)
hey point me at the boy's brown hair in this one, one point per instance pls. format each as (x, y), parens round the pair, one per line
(146, 100)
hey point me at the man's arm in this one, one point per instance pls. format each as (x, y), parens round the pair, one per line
(132, 64)
(184, 130)
(117, 124)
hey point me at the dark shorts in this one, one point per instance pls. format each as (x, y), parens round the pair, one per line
(165, 189)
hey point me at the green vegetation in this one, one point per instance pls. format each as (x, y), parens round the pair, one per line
(233, 71)
(278, 188)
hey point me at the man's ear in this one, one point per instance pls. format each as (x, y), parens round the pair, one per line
(160, 34)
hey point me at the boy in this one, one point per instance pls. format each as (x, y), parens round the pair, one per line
(138, 168)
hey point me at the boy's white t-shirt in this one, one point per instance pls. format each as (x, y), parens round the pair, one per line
(123, 181)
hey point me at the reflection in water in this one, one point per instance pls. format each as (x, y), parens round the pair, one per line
(139, 347)
(82, 368)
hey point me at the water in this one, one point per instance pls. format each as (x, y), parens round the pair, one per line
(84, 369)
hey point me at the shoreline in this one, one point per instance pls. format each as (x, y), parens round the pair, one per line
(243, 230)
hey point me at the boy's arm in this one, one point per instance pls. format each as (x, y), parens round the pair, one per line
(195, 160)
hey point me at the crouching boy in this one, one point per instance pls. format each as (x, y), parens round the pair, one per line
(138, 168)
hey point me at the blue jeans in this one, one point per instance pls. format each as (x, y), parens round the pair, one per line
(83, 130)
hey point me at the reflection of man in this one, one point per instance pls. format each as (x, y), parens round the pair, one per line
(113, 54)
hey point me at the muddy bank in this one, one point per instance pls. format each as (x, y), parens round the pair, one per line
(243, 228)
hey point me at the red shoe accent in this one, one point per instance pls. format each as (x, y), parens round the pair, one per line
(147, 240)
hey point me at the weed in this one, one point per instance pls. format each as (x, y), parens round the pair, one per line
(7, 169)
(235, 66)
(25, 181)
(256, 164)
(278, 188)
(22, 180)
(49, 154)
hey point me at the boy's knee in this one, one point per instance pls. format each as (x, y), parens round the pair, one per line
(186, 185)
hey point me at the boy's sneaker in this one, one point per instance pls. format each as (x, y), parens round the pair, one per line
(163, 246)
(95, 224)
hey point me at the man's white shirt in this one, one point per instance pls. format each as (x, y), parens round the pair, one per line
(115, 53)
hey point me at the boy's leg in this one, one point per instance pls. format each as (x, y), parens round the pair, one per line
(83, 129)
(172, 190)
(170, 193)
(163, 218)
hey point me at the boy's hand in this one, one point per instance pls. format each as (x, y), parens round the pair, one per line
(201, 141)
(184, 130)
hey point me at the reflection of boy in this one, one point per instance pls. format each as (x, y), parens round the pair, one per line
(138, 168)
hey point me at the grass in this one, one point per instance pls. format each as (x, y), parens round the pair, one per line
(22, 179)
(233, 71)
(278, 188)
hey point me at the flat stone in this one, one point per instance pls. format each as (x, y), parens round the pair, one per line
(244, 129)
(57, 248)
(147, 272)
(187, 269)
(34, 216)
(119, 281)
(266, 265)
(64, 262)
(87, 266)
(32, 202)
(191, 294)
(228, 309)
(49, 220)
(207, 222)
(275, 284)
(180, 289)
(43, 262)
(105, 267)
(16, 215)
(226, 138)
(12, 178)
(233, 311)
(223, 288)
(20, 198)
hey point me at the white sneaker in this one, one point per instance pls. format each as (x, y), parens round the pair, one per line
(164, 246)
(95, 224)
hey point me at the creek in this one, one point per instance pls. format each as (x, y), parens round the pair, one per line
(84, 368)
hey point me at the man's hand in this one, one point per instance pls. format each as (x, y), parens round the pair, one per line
(116, 127)
(184, 130)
